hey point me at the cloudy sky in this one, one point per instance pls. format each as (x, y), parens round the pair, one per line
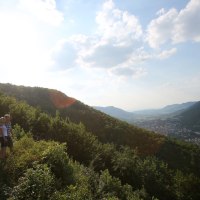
(132, 54)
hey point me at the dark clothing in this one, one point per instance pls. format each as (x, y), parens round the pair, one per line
(3, 142)
(9, 142)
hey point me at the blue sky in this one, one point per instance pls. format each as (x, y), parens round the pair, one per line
(129, 54)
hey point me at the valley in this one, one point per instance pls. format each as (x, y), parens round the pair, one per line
(171, 121)
(171, 128)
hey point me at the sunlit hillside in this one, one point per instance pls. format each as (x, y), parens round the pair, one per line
(100, 157)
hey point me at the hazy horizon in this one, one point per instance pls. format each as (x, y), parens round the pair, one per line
(144, 109)
(129, 54)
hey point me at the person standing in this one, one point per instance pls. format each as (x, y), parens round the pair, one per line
(3, 137)
(9, 131)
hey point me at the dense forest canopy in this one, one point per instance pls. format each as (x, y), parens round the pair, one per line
(76, 152)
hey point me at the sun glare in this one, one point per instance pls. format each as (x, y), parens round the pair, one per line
(60, 100)
(20, 48)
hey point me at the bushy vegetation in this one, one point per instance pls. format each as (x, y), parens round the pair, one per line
(74, 163)
(43, 170)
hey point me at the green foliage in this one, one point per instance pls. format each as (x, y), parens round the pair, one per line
(111, 188)
(156, 178)
(181, 155)
(26, 152)
(41, 126)
(126, 164)
(5, 103)
(37, 183)
(85, 180)
(23, 114)
(148, 172)
(78, 193)
(186, 186)
(3, 181)
(81, 144)
(103, 158)
(58, 161)
(18, 132)
(106, 128)
(31, 95)
(108, 186)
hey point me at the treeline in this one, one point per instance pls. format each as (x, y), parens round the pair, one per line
(106, 170)
(106, 128)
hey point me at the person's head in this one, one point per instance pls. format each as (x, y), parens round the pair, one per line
(2, 120)
(7, 117)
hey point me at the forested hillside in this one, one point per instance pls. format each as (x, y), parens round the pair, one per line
(101, 158)
(106, 128)
(191, 117)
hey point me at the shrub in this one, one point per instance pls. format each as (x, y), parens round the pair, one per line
(37, 183)
(57, 159)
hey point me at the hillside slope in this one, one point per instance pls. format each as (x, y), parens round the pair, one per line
(191, 117)
(177, 155)
(172, 171)
(108, 129)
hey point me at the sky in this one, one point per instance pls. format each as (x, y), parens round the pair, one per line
(131, 54)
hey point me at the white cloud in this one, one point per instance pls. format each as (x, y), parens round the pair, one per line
(84, 51)
(44, 10)
(117, 47)
(134, 72)
(161, 12)
(160, 30)
(68, 53)
(119, 26)
(107, 56)
(174, 26)
(139, 56)
(166, 53)
(118, 33)
(187, 25)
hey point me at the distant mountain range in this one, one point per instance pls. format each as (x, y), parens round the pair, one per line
(116, 112)
(167, 111)
(180, 121)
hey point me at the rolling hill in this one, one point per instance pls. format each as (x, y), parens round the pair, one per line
(190, 118)
(106, 128)
(137, 164)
